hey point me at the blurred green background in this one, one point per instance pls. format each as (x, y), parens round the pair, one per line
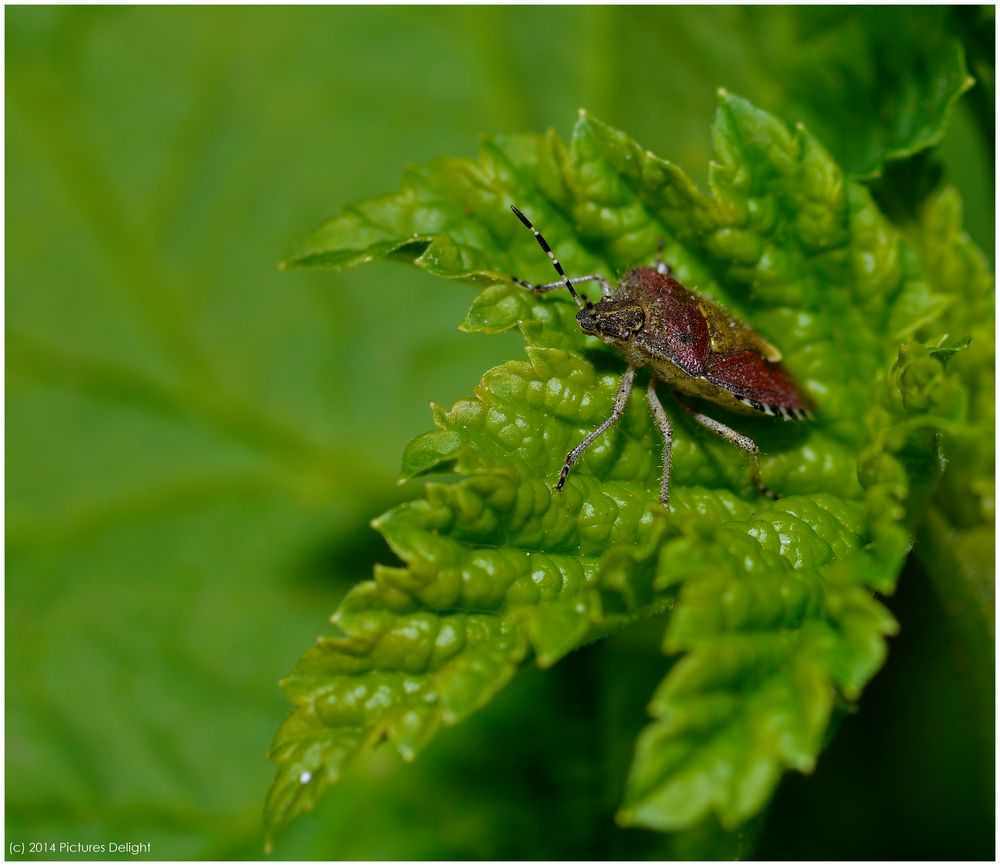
(196, 442)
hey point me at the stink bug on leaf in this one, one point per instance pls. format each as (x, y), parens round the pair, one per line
(688, 343)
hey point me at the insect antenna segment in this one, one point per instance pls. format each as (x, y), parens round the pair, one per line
(548, 251)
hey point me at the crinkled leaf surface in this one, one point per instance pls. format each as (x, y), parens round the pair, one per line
(956, 267)
(956, 539)
(773, 616)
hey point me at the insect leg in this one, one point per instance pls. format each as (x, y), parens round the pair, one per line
(621, 400)
(661, 266)
(538, 288)
(739, 440)
(660, 417)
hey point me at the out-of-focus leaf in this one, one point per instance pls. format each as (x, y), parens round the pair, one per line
(874, 85)
(774, 611)
(195, 442)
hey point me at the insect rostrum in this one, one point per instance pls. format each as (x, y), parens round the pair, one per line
(688, 343)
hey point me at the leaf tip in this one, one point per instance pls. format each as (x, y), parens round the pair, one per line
(625, 818)
(805, 764)
(727, 99)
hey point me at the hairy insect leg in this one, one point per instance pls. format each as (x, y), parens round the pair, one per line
(660, 417)
(539, 288)
(661, 266)
(739, 440)
(621, 401)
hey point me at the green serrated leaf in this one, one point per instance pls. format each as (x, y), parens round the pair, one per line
(944, 351)
(773, 617)
(956, 537)
(957, 269)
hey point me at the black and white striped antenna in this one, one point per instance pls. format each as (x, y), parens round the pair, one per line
(548, 251)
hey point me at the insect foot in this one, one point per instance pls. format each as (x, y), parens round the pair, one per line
(621, 401)
(688, 343)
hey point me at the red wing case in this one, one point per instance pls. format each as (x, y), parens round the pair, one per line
(760, 384)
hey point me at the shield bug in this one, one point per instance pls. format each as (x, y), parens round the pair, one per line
(688, 343)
